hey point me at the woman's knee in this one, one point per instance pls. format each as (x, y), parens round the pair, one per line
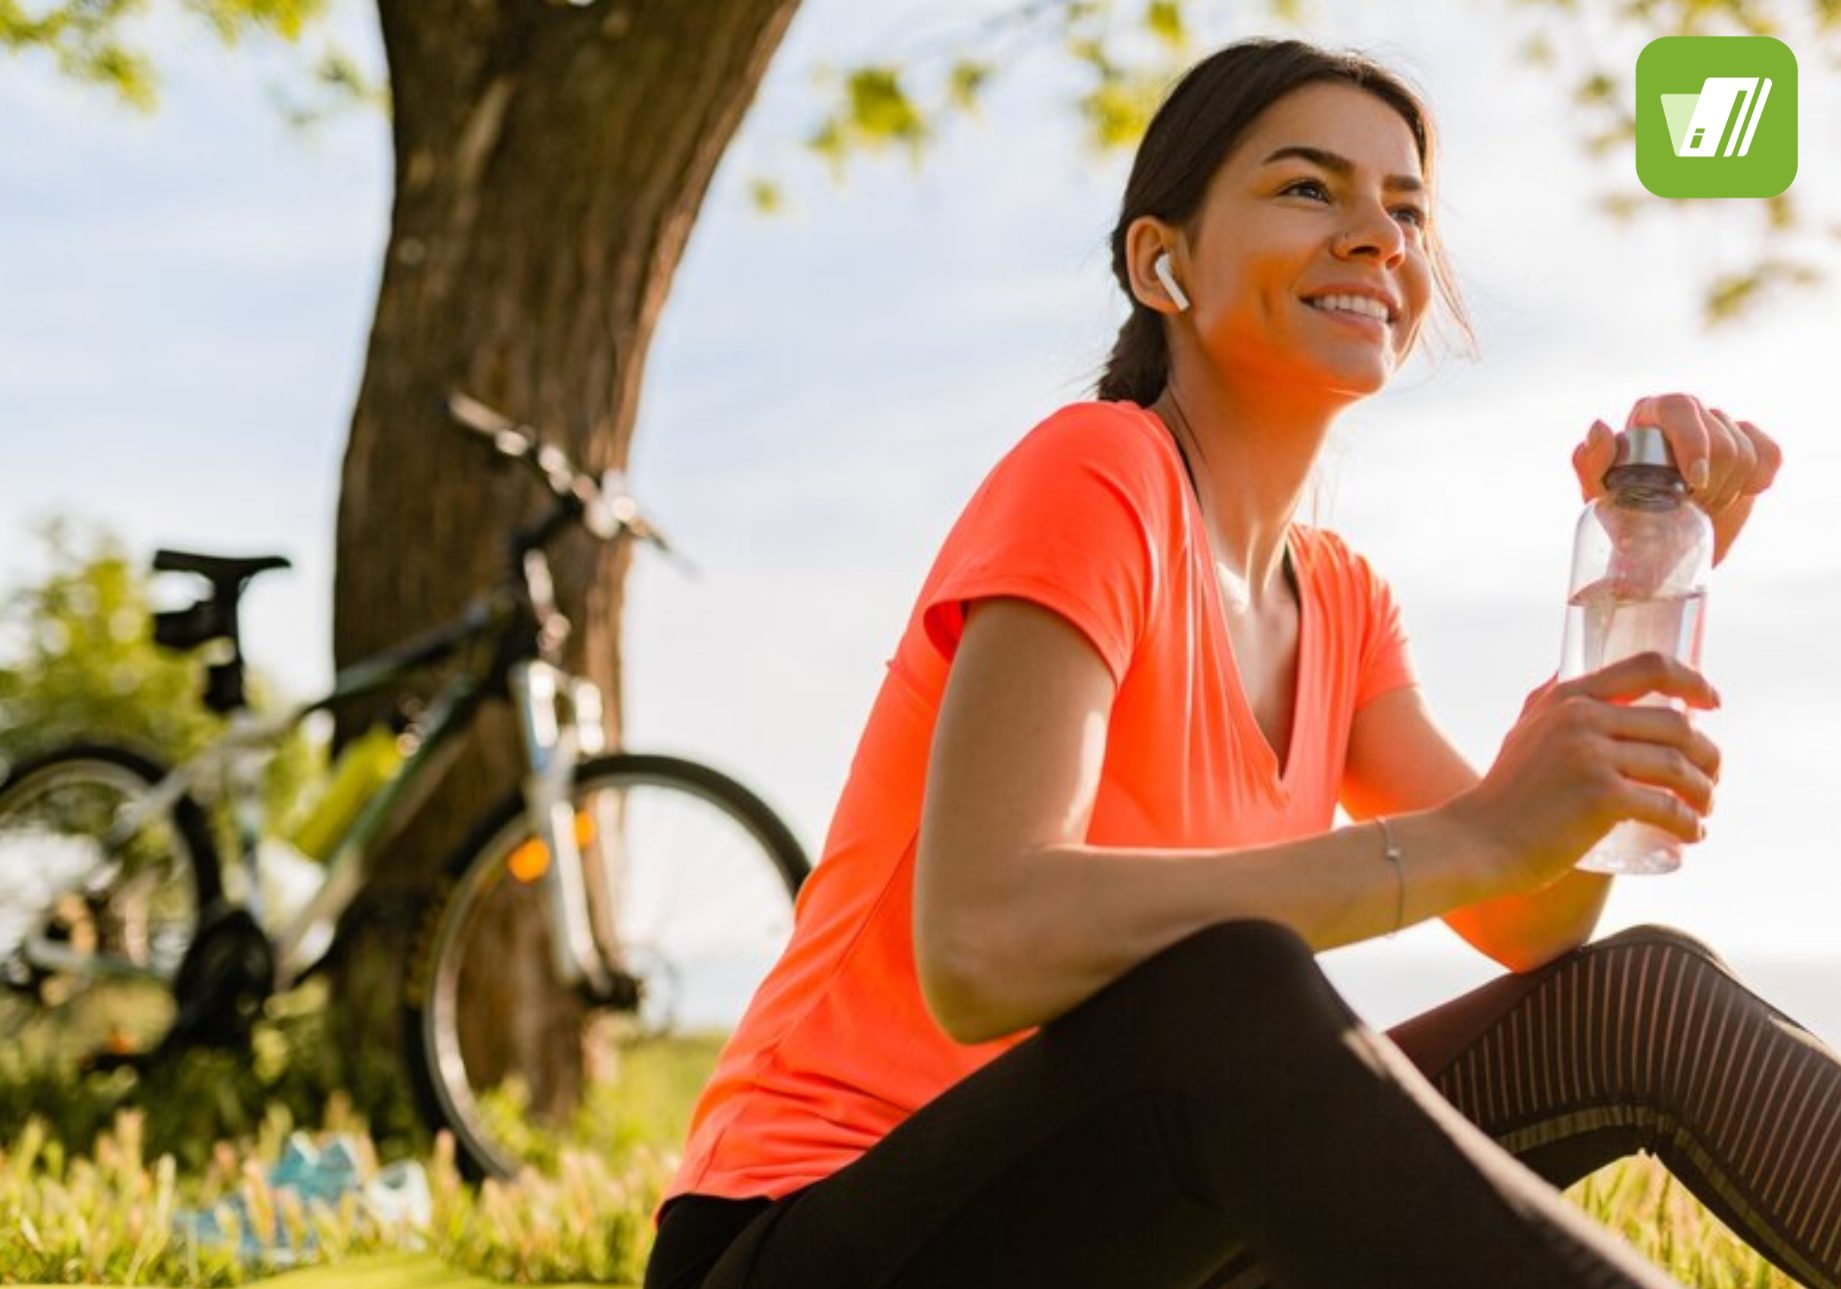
(1232, 960)
(1665, 943)
(1654, 986)
(1227, 990)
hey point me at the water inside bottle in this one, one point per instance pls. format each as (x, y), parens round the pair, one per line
(1602, 627)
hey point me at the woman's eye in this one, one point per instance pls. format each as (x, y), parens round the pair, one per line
(1415, 215)
(1302, 184)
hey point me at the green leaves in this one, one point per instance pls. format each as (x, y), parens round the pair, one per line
(873, 113)
(1732, 296)
(78, 663)
(82, 663)
(232, 19)
(1118, 110)
(1164, 20)
(92, 40)
(967, 82)
(880, 108)
(82, 37)
(905, 98)
(1128, 72)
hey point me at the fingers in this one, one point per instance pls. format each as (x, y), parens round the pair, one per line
(1663, 727)
(1690, 429)
(1658, 769)
(1642, 674)
(1762, 455)
(1592, 458)
(1663, 809)
(1661, 765)
(1723, 459)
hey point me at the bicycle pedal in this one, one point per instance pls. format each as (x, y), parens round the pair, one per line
(227, 974)
(624, 992)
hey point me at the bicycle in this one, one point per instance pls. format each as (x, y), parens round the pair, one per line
(560, 903)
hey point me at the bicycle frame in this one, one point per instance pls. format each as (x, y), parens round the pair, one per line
(559, 718)
(554, 740)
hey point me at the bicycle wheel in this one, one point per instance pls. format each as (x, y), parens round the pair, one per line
(95, 915)
(696, 905)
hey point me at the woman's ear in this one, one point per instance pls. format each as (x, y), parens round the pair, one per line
(1155, 260)
(1167, 276)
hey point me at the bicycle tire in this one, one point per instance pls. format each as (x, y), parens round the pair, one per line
(114, 992)
(485, 1016)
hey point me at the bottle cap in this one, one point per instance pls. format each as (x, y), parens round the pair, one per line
(1643, 445)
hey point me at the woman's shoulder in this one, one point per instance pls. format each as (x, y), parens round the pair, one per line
(1099, 420)
(1323, 544)
(1334, 564)
(1120, 440)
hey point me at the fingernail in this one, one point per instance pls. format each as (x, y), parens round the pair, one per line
(1698, 474)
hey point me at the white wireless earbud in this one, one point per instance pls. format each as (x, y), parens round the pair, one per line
(1167, 276)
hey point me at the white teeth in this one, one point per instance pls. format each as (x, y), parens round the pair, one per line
(1351, 304)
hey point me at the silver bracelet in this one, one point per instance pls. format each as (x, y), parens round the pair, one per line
(1393, 856)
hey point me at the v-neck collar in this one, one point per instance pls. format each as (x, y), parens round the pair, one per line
(1276, 776)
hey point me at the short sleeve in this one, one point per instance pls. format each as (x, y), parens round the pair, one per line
(1074, 518)
(1386, 661)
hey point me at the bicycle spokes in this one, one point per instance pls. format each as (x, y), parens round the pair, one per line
(98, 901)
(688, 907)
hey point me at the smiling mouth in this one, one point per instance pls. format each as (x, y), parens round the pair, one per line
(1358, 307)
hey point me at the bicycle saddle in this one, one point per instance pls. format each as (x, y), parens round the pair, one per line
(212, 618)
(219, 569)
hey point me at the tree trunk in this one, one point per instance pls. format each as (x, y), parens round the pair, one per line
(550, 162)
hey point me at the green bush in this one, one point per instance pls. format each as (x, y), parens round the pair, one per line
(78, 664)
(98, 1210)
(195, 1099)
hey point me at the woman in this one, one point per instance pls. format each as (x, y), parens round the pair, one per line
(1050, 1015)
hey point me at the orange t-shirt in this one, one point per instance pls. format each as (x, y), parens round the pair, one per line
(1092, 516)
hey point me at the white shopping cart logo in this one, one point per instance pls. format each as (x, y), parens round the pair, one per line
(1697, 122)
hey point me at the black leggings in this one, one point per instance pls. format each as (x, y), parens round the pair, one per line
(1133, 1143)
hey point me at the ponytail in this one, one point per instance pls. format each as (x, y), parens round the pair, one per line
(1139, 365)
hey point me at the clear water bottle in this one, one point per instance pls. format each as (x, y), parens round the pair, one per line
(1639, 583)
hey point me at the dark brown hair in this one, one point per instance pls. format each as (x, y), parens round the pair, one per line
(1193, 133)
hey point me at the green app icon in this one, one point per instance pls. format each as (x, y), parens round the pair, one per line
(1716, 116)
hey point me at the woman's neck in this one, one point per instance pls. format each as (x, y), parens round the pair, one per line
(1251, 459)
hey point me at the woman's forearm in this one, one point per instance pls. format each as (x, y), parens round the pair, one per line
(1526, 931)
(1056, 925)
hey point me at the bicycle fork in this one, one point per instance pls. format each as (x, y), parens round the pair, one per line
(553, 747)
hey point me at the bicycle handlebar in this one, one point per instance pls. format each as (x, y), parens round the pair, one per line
(604, 505)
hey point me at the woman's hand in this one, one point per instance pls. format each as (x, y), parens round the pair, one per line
(1727, 463)
(1581, 759)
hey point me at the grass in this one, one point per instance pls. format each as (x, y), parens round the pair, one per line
(86, 1204)
(1640, 1201)
(106, 1215)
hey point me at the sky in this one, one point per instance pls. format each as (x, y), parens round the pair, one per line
(185, 299)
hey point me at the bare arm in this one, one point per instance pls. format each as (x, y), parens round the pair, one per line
(1400, 760)
(1017, 919)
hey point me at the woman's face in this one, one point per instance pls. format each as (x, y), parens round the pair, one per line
(1314, 224)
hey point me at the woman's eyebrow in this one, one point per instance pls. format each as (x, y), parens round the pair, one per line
(1341, 166)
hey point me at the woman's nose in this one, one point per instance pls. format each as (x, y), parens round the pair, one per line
(1372, 232)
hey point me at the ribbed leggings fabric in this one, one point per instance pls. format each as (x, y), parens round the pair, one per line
(1218, 1118)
